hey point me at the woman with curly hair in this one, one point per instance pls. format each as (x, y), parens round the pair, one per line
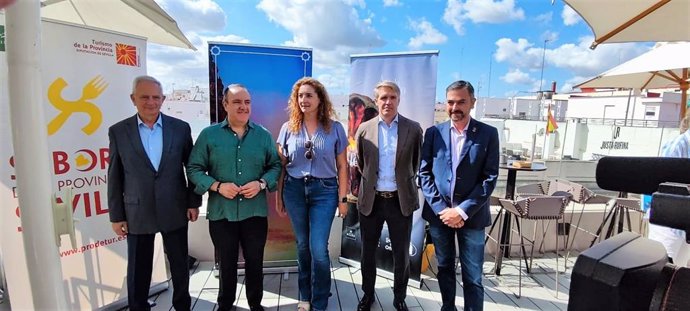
(312, 147)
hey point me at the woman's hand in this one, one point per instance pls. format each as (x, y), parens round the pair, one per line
(342, 210)
(280, 208)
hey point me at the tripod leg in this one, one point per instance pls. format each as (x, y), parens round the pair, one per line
(627, 217)
(621, 218)
(597, 235)
(612, 225)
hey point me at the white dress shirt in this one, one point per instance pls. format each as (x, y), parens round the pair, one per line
(388, 145)
(457, 141)
(152, 139)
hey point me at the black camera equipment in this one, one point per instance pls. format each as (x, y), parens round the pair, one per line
(629, 272)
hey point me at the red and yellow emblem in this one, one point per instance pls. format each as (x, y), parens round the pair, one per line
(126, 54)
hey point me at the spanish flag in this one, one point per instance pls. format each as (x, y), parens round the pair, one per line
(551, 125)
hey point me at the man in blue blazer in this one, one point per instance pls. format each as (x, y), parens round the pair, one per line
(149, 193)
(458, 173)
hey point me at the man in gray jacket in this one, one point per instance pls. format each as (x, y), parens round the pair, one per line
(148, 192)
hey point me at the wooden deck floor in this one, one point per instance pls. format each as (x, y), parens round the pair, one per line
(280, 290)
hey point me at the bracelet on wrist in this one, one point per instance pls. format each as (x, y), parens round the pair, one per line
(218, 187)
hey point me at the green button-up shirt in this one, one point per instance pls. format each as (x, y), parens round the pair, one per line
(220, 155)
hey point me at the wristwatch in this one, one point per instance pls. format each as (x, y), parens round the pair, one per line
(343, 200)
(262, 184)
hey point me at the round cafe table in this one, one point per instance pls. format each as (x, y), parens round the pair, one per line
(504, 250)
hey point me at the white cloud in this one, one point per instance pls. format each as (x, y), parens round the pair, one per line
(391, 3)
(480, 11)
(336, 80)
(452, 15)
(544, 18)
(333, 28)
(570, 17)
(455, 75)
(190, 67)
(577, 59)
(582, 61)
(360, 3)
(516, 76)
(492, 11)
(568, 85)
(196, 15)
(520, 53)
(549, 36)
(187, 68)
(425, 34)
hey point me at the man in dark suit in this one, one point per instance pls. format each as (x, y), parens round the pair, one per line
(458, 174)
(148, 192)
(388, 153)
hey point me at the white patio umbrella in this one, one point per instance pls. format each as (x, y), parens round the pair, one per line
(23, 33)
(665, 66)
(137, 17)
(635, 20)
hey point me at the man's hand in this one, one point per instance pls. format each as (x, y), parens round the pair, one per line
(228, 190)
(192, 214)
(120, 228)
(451, 218)
(250, 189)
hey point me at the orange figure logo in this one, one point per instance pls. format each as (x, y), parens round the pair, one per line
(126, 54)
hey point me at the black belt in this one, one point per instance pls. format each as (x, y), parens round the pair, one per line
(387, 194)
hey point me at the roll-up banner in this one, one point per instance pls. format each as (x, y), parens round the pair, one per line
(415, 74)
(268, 72)
(87, 78)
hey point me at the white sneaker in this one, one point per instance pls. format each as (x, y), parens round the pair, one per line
(303, 306)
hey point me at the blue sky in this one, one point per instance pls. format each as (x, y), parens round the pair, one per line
(496, 45)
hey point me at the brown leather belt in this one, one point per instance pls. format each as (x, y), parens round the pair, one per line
(387, 194)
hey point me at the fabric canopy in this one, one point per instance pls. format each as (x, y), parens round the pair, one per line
(137, 17)
(665, 66)
(635, 21)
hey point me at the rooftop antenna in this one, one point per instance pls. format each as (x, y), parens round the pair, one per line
(488, 85)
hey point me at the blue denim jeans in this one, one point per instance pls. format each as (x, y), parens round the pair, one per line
(311, 204)
(471, 250)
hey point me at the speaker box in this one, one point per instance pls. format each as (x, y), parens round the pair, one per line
(617, 274)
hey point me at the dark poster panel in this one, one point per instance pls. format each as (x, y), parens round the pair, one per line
(351, 251)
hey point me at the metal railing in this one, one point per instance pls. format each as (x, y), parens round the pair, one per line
(592, 121)
(629, 122)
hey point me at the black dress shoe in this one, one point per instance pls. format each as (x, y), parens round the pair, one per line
(365, 303)
(400, 305)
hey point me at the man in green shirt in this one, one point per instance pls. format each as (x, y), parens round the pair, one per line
(236, 161)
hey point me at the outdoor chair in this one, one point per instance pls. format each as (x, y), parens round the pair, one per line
(578, 194)
(534, 208)
(493, 201)
(528, 190)
(536, 189)
(553, 187)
